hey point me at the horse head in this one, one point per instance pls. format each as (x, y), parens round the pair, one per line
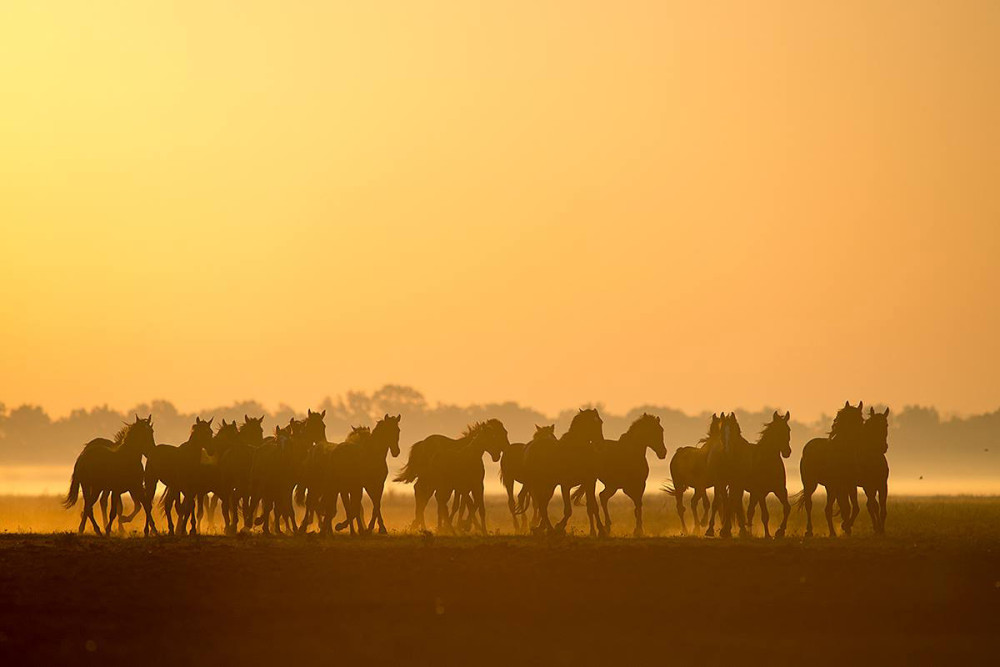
(251, 432)
(648, 430)
(313, 429)
(139, 434)
(778, 433)
(729, 430)
(491, 436)
(587, 425)
(387, 430)
(227, 436)
(201, 431)
(848, 422)
(876, 430)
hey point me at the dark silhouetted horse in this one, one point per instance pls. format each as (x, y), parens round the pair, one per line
(511, 471)
(689, 469)
(829, 461)
(115, 467)
(767, 471)
(729, 469)
(177, 468)
(569, 462)
(234, 465)
(439, 466)
(871, 469)
(621, 464)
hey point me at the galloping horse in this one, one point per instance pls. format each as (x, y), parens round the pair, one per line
(439, 466)
(621, 464)
(871, 469)
(276, 468)
(512, 470)
(828, 461)
(177, 468)
(116, 467)
(567, 463)
(234, 465)
(729, 469)
(767, 472)
(374, 470)
(208, 476)
(689, 469)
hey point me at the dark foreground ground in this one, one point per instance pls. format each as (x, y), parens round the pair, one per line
(499, 600)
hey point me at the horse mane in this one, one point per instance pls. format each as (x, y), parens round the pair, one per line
(358, 433)
(123, 432)
(640, 423)
(768, 431)
(474, 428)
(839, 426)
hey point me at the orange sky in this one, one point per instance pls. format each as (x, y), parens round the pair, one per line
(704, 205)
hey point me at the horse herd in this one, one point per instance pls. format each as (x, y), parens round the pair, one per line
(260, 480)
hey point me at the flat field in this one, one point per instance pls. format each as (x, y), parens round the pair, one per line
(926, 593)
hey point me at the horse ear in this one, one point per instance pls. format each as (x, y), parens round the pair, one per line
(245, 417)
(861, 406)
(209, 422)
(309, 412)
(399, 416)
(871, 412)
(323, 414)
(788, 415)
(886, 413)
(776, 416)
(847, 404)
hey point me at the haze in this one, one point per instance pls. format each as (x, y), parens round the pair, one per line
(560, 203)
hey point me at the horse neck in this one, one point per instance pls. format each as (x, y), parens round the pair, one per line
(634, 443)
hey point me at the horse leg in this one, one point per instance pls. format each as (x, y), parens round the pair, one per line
(636, 495)
(807, 501)
(421, 497)
(567, 507)
(541, 502)
(883, 494)
(754, 500)
(376, 496)
(90, 496)
(444, 518)
(740, 516)
(764, 514)
(605, 495)
(786, 509)
(511, 505)
(705, 507)
(104, 510)
(115, 500)
(828, 510)
(479, 504)
(718, 504)
(855, 508)
(871, 504)
(679, 502)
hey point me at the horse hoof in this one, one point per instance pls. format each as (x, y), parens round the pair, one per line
(710, 532)
(779, 533)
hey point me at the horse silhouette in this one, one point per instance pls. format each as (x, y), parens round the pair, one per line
(373, 469)
(767, 471)
(439, 466)
(568, 462)
(689, 469)
(176, 468)
(511, 471)
(729, 468)
(235, 463)
(829, 461)
(621, 465)
(871, 469)
(113, 466)
(276, 469)
(208, 476)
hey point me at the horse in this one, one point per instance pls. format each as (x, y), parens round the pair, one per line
(331, 471)
(177, 467)
(767, 472)
(208, 477)
(277, 466)
(729, 469)
(828, 461)
(689, 469)
(439, 466)
(512, 470)
(114, 466)
(374, 470)
(234, 465)
(568, 462)
(871, 469)
(621, 464)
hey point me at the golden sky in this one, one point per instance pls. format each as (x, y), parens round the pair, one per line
(704, 205)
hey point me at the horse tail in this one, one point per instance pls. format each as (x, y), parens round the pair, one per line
(668, 488)
(799, 500)
(578, 496)
(523, 502)
(74, 491)
(416, 462)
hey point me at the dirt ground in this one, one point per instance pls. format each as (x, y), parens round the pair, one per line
(928, 593)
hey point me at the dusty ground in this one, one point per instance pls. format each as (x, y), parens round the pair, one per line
(928, 593)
